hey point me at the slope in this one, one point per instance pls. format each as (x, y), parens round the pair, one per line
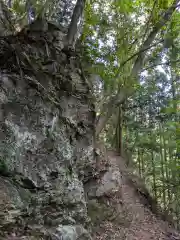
(126, 210)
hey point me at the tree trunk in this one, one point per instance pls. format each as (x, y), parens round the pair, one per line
(118, 134)
(125, 93)
(73, 28)
(154, 175)
(162, 167)
(110, 109)
(139, 162)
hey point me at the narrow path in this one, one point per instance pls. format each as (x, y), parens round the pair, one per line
(131, 220)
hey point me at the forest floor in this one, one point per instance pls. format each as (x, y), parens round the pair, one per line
(131, 219)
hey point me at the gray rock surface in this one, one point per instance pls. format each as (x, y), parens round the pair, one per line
(70, 232)
(109, 183)
(46, 139)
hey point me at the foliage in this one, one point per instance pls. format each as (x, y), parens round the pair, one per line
(151, 133)
(148, 125)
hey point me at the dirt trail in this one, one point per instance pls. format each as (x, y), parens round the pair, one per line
(131, 220)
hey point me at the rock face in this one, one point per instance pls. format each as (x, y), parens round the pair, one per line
(109, 183)
(46, 137)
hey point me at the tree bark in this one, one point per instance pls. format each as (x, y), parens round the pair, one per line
(109, 108)
(162, 167)
(73, 27)
(121, 97)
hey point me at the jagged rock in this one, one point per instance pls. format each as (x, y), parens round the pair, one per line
(70, 232)
(107, 178)
(46, 136)
(105, 185)
(13, 200)
(110, 183)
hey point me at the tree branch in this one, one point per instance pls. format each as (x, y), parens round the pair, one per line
(121, 97)
(160, 64)
(140, 59)
(73, 27)
(136, 54)
(149, 19)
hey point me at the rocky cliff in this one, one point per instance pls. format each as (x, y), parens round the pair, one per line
(46, 137)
